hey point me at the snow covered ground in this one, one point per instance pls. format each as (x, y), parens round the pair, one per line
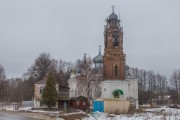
(25, 108)
(7, 107)
(149, 114)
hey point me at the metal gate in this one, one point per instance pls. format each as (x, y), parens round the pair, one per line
(98, 106)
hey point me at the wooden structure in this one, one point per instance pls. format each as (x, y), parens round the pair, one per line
(80, 103)
(63, 101)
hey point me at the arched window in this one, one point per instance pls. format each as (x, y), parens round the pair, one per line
(118, 93)
(115, 39)
(116, 70)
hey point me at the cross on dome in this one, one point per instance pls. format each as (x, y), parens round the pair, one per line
(99, 48)
(112, 8)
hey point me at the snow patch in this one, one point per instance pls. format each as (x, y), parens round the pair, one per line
(150, 114)
(8, 108)
(74, 113)
(59, 119)
(41, 111)
(25, 108)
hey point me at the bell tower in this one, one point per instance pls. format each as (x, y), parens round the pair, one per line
(114, 60)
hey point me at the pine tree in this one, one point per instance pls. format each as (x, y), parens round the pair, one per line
(50, 95)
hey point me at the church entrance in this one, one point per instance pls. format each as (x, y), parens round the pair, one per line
(117, 93)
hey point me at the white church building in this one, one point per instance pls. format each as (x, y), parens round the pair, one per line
(116, 81)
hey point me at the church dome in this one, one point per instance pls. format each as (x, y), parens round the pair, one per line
(127, 67)
(113, 16)
(98, 58)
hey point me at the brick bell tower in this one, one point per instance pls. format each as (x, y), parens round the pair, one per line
(114, 60)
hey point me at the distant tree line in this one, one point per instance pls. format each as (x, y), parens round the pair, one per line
(152, 86)
(175, 86)
(3, 85)
(20, 89)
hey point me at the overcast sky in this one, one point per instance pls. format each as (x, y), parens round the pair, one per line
(69, 28)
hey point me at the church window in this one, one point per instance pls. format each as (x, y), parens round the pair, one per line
(116, 70)
(41, 90)
(115, 39)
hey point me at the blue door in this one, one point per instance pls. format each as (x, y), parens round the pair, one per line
(98, 106)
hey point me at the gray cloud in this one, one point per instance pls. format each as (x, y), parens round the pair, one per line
(67, 29)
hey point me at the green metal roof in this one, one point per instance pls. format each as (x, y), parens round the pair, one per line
(119, 91)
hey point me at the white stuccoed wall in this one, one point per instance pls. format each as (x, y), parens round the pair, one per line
(108, 86)
(37, 95)
(133, 87)
(129, 87)
(72, 86)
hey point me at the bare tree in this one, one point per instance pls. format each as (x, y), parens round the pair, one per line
(150, 86)
(2, 73)
(175, 82)
(3, 84)
(15, 90)
(41, 67)
(87, 80)
(63, 72)
(161, 87)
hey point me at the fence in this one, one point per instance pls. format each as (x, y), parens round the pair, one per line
(112, 105)
(27, 103)
(9, 106)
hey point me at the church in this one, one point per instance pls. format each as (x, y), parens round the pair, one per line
(116, 83)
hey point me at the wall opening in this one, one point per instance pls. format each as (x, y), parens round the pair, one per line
(116, 70)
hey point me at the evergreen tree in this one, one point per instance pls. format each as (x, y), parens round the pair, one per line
(50, 95)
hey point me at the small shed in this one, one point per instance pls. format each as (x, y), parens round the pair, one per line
(80, 103)
(113, 105)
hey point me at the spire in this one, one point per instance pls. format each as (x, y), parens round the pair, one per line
(99, 48)
(85, 55)
(112, 8)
